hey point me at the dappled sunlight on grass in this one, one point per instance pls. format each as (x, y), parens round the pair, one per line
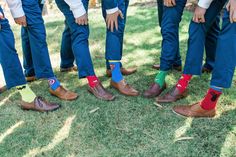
(2, 102)
(10, 131)
(229, 146)
(182, 130)
(61, 135)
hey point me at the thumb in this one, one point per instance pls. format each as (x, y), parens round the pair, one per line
(228, 6)
(1, 16)
(121, 15)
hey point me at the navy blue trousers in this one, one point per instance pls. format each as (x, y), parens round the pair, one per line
(171, 17)
(225, 60)
(78, 36)
(34, 40)
(114, 40)
(67, 56)
(27, 54)
(197, 38)
(9, 60)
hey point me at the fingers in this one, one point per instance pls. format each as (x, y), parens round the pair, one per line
(231, 14)
(116, 24)
(1, 16)
(173, 2)
(112, 26)
(234, 16)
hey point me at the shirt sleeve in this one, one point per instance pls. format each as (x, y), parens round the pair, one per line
(77, 7)
(111, 6)
(15, 7)
(204, 3)
(111, 11)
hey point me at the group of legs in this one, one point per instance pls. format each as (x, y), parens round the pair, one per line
(220, 51)
(218, 44)
(74, 48)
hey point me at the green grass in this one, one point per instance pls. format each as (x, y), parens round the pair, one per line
(128, 126)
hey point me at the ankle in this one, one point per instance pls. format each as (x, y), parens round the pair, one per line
(54, 83)
(210, 100)
(92, 81)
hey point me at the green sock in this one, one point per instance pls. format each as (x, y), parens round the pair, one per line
(160, 78)
(26, 93)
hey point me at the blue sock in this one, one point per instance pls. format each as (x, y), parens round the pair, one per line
(53, 83)
(116, 75)
(219, 89)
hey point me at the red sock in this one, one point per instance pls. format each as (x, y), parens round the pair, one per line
(183, 82)
(92, 80)
(210, 100)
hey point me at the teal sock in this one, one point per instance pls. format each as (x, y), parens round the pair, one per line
(160, 78)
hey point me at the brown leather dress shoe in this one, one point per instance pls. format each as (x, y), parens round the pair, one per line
(3, 89)
(194, 110)
(39, 104)
(71, 69)
(30, 78)
(154, 90)
(123, 71)
(100, 92)
(63, 94)
(157, 67)
(124, 88)
(171, 96)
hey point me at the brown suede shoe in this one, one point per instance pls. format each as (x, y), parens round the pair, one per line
(125, 88)
(30, 78)
(39, 104)
(157, 67)
(63, 94)
(154, 90)
(172, 96)
(194, 110)
(71, 69)
(100, 92)
(3, 89)
(123, 71)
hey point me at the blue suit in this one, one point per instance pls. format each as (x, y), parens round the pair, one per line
(114, 40)
(171, 17)
(197, 38)
(225, 60)
(37, 39)
(27, 55)
(9, 60)
(77, 36)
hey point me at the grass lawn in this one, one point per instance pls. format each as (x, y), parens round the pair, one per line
(128, 126)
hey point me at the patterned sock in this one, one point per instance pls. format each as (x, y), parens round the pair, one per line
(26, 93)
(183, 82)
(116, 74)
(92, 81)
(53, 83)
(210, 100)
(161, 78)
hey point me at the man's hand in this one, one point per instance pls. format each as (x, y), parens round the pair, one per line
(1, 16)
(112, 20)
(82, 20)
(21, 21)
(231, 7)
(199, 14)
(169, 3)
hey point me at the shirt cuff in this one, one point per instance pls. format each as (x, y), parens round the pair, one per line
(111, 11)
(78, 11)
(16, 13)
(204, 3)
